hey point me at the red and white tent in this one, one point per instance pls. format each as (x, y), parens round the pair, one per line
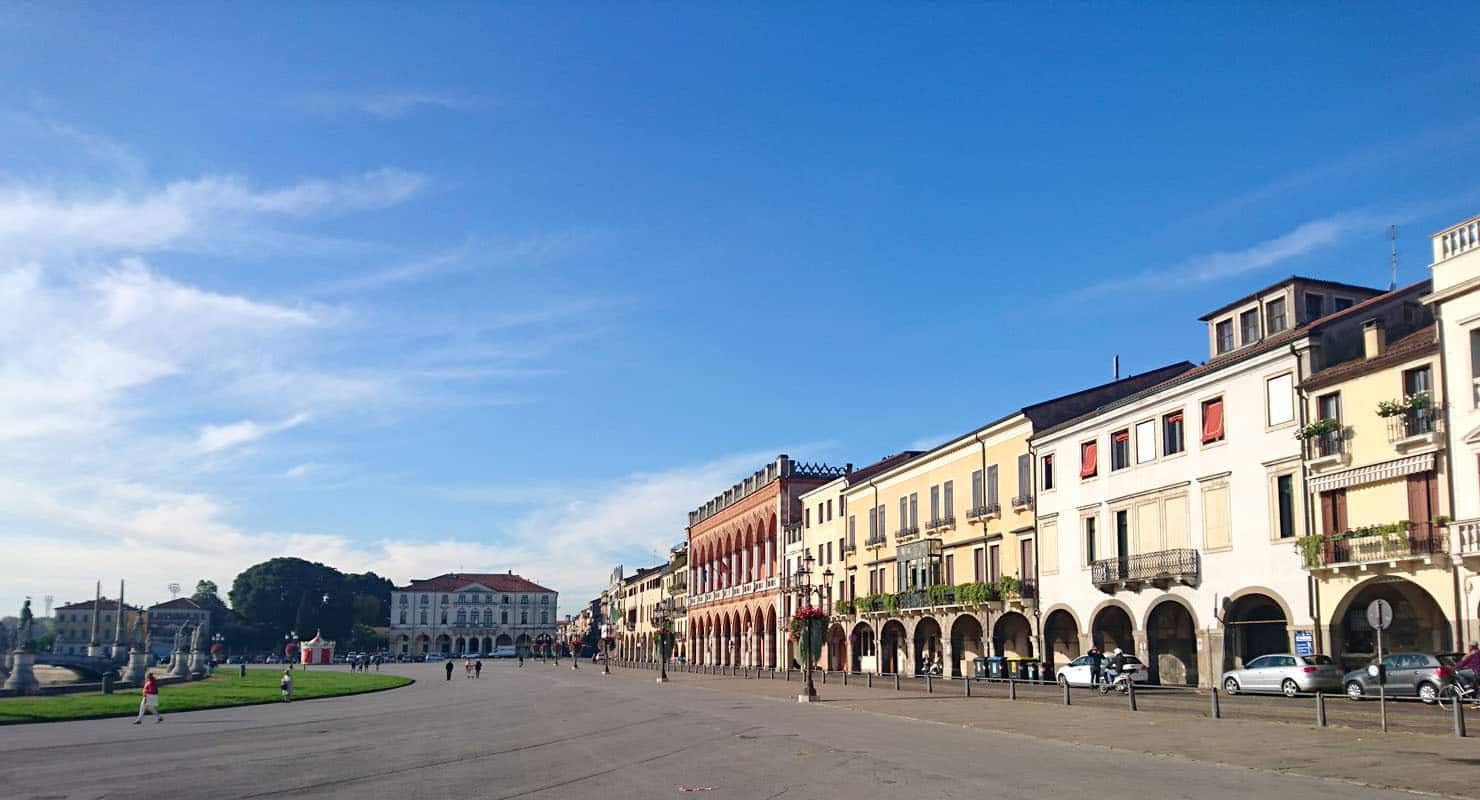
(317, 650)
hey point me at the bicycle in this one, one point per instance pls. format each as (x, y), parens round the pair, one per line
(1455, 693)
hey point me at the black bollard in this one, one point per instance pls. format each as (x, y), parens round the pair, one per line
(845, 677)
(1320, 709)
(896, 681)
(1130, 693)
(929, 687)
(1217, 712)
(966, 683)
(1459, 716)
(1067, 701)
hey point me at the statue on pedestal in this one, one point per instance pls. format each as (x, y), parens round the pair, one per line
(24, 643)
(197, 639)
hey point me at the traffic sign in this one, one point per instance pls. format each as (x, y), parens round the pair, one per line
(1379, 614)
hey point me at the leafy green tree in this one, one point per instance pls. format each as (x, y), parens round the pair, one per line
(206, 597)
(285, 594)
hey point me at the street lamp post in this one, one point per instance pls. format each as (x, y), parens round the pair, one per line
(805, 615)
(288, 639)
(606, 647)
(663, 641)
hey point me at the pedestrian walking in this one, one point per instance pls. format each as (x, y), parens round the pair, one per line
(468, 669)
(286, 685)
(149, 702)
(449, 669)
(478, 668)
(521, 658)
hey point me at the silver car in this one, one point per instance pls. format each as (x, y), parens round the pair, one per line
(1286, 673)
(1419, 675)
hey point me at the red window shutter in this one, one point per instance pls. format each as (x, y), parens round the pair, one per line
(1123, 436)
(1212, 421)
(1175, 417)
(1089, 460)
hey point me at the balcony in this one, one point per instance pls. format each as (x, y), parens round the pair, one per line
(1328, 447)
(940, 524)
(875, 540)
(1022, 502)
(1385, 543)
(906, 534)
(738, 590)
(1416, 427)
(1161, 569)
(850, 548)
(1466, 535)
(983, 513)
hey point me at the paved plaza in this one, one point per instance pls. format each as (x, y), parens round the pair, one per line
(545, 731)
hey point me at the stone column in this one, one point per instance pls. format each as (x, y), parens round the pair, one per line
(22, 680)
(948, 657)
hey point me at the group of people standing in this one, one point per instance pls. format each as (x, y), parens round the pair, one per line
(362, 663)
(472, 668)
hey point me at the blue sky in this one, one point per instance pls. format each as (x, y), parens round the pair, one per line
(513, 287)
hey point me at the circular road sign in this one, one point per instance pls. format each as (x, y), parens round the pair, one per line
(1380, 614)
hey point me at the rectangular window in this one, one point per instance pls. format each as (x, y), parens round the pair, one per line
(1313, 304)
(1274, 316)
(829, 511)
(994, 563)
(1417, 381)
(1333, 511)
(1089, 460)
(1171, 433)
(914, 511)
(1248, 323)
(978, 564)
(1284, 490)
(1090, 541)
(1122, 533)
(1145, 441)
(978, 493)
(950, 569)
(873, 525)
(883, 527)
(1027, 570)
(806, 517)
(1212, 421)
(904, 509)
(1279, 399)
(829, 552)
(934, 504)
(1224, 332)
(1048, 546)
(948, 499)
(1329, 406)
(1217, 534)
(1025, 476)
(1048, 472)
(1120, 450)
(852, 531)
(992, 497)
(1341, 304)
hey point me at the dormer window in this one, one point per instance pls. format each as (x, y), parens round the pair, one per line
(1224, 331)
(1313, 305)
(1248, 323)
(1341, 304)
(1274, 316)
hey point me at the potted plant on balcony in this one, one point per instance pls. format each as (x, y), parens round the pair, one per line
(843, 607)
(1317, 428)
(1397, 408)
(1010, 587)
(1310, 549)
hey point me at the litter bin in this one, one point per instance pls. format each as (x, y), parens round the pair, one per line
(108, 684)
(1018, 668)
(996, 667)
(981, 668)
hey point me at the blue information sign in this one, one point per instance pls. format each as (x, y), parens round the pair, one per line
(1305, 643)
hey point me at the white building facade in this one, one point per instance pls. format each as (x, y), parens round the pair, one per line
(1456, 304)
(1169, 531)
(461, 613)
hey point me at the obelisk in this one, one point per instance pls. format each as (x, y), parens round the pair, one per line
(119, 650)
(92, 642)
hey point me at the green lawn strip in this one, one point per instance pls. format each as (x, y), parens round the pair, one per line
(226, 688)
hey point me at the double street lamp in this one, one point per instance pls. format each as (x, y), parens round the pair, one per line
(806, 615)
(663, 640)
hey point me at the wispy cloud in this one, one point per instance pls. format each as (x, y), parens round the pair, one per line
(213, 438)
(1222, 265)
(472, 255)
(37, 218)
(387, 104)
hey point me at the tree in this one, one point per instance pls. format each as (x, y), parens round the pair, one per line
(206, 597)
(286, 594)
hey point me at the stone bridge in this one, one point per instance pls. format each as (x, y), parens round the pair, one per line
(89, 667)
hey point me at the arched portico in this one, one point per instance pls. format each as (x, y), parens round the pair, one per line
(966, 645)
(1254, 624)
(1111, 629)
(1012, 636)
(1171, 643)
(1419, 622)
(1061, 635)
(928, 645)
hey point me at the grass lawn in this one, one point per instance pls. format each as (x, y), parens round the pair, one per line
(226, 688)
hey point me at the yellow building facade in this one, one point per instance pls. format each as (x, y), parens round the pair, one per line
(1379, 496)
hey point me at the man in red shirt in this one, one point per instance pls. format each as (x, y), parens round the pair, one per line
(150, 701)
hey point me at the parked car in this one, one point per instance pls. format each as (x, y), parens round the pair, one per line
(472, 655)
(1286, 673)
(1077, 672)
(436, 657)
(1418, 675)
(504, 651)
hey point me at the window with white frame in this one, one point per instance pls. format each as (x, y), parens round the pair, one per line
(1145, 441)
(1279, 399)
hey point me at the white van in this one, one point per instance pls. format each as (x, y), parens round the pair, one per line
(505, 651)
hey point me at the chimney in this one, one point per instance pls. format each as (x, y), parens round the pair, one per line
(1373, 342)
(1115, 367)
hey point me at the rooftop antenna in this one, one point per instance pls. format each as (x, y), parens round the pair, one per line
(174, 590)
(1393, 235)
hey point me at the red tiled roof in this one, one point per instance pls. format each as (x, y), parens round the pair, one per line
(104, 605)
(179, 602)
(1421, 342)
(452, 581)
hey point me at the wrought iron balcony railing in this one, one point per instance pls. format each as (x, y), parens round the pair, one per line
(1022, 501)
(1161, 568)
(876, 540)
(1322, 445)
(905, 533)
(941, 523)
(1415, 422)
(982, 512)
(1417, 540)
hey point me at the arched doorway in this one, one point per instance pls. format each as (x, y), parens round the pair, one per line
(423, 644)
(1419, 623)
(865, 655)
(770, 637)
(444, 644)
(503, 640)
(1112, 629)
(1171, 639)
(1012, 636)
(927, 644)
(1061, 633)
(403, 645)
(837, 648)
(1253, 625)
(966, 645)
(460, 647)
(893, 647)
